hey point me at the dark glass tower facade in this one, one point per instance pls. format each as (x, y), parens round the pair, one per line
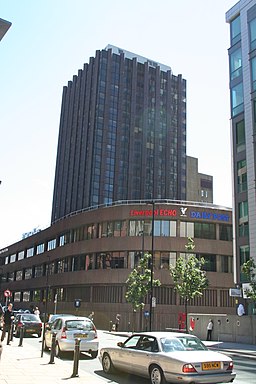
(122, 134)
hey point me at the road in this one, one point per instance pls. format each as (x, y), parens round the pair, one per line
(244, 367)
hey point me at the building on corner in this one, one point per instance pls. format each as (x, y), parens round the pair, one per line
(242, 71)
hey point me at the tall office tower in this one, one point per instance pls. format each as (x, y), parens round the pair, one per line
(122, 134)
(242, 58)
(4, 26)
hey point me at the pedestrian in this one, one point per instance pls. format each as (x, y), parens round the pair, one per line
(240, 310)
(91, 316)
(7, 323)
(209, 330)
(37, 312)
(118, 317)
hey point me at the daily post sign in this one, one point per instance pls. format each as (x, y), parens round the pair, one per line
(184, 212)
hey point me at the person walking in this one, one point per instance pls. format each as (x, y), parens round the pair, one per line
(37, 312)
(7, 323)
(118, 318)
(209, 330)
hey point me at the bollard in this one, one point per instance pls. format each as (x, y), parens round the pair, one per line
(11, 332)
(110, 326)
(76, 358)
(53, 348)
(22, 330)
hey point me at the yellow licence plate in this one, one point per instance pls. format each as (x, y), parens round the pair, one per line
(210, 365)
(80, 335)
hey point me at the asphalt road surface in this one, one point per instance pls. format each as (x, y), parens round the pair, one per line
(244, 367)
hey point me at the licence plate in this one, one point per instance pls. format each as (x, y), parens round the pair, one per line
(80, 335)
(210, 365)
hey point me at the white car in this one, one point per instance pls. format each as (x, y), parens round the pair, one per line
(70, 328)
(168, 357)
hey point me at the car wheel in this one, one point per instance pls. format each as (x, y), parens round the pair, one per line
(157, 375)
(94, 354)
(58, 352)
(107, 364)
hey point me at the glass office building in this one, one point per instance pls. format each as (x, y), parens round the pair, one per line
(242, 64)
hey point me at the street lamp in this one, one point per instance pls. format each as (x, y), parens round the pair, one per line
(152, 269)
(141, 233)
(46, 303)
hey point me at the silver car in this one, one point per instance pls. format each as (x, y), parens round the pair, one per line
(70, 328)
(168, 357)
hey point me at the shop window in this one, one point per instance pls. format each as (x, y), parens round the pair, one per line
(225, 232)
(205, 231)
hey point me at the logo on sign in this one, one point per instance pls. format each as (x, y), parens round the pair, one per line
(183, 211)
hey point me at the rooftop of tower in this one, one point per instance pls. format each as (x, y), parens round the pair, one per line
(140, 59)
(4, 26)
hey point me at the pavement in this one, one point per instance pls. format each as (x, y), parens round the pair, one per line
(24, 363)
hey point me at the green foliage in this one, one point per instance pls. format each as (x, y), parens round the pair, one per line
(189, 278)
(139, 283)
(249, 269)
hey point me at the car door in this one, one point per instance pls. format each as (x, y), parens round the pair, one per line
(122, 356)
(146, 349)
(55, 328)
(135, 355)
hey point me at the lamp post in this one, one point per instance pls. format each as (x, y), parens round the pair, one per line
(151, 269)
(46, 303)
(141, 233)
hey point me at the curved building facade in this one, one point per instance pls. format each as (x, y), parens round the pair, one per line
(87, 256)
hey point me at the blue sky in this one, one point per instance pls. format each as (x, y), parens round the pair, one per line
(48, 42)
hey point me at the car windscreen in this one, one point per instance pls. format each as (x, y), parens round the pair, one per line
(84, 325)
(29, 318)
(184, 343)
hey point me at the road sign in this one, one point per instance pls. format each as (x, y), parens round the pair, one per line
(77, 303)
(7, 293)
(146, 313)
(235, 292)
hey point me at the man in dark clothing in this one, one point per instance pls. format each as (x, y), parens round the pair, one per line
(7, 322)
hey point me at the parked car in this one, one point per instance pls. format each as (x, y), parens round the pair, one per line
(67, 329)
(168, 357)
(52, 318)
(30, 322)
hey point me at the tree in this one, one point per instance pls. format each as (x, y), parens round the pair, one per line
(189, 278)
(139, 283)
(249, 269)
